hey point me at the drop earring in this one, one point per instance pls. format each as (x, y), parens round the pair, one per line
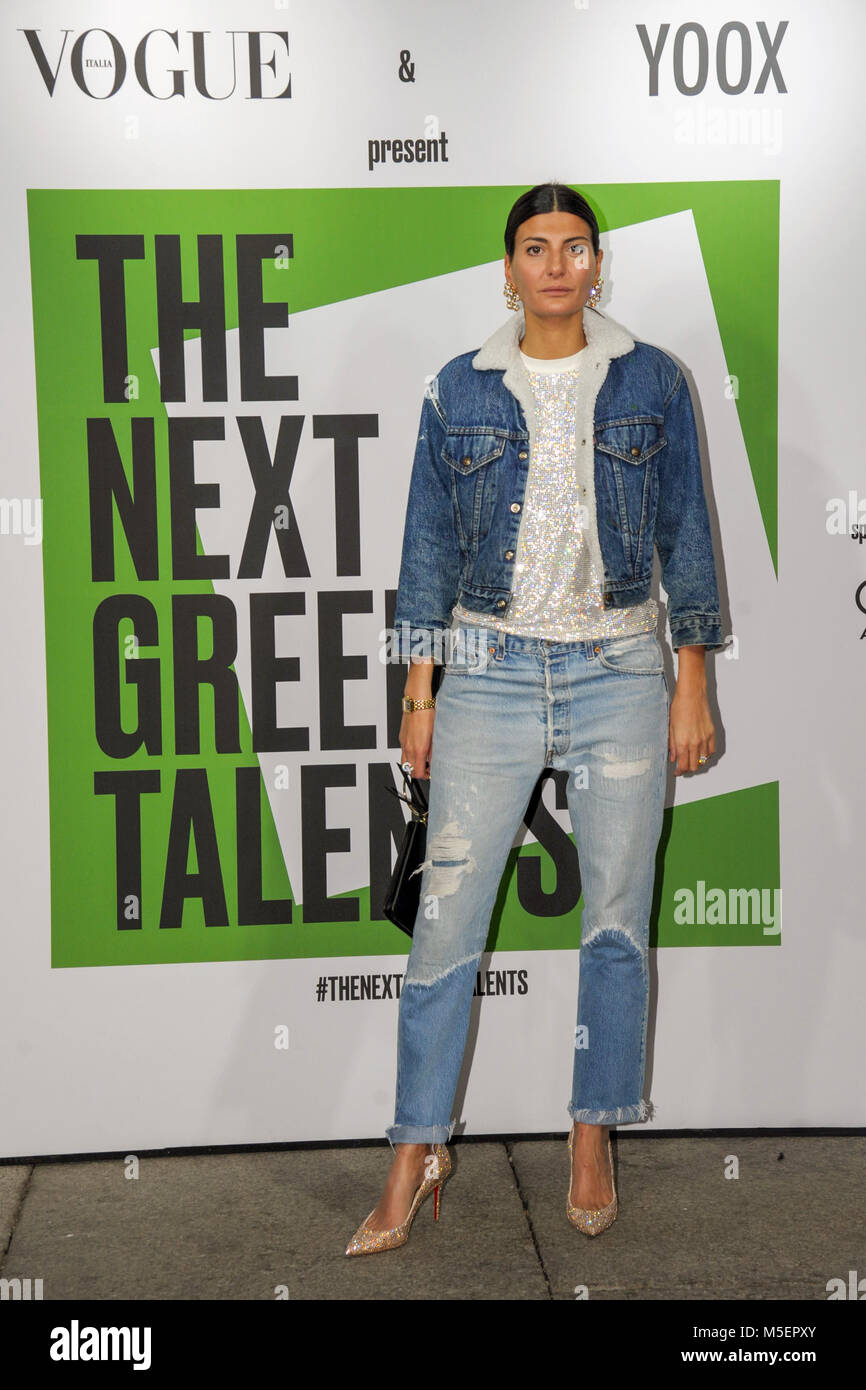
(595, 293)
(512, 298)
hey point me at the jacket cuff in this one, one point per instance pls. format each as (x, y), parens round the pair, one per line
(405, 640)
(697, 629)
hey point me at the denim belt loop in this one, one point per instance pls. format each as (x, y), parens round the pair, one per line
(500, 647)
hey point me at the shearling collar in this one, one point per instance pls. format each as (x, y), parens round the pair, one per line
(604, 339)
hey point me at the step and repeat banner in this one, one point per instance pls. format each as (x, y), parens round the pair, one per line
(237, 242)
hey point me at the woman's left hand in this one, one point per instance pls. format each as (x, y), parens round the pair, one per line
(691, 733)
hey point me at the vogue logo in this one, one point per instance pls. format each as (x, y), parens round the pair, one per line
(98, 63)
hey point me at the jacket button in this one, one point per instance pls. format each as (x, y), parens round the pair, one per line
(522, 454)
(596, 649)
(466, 462)
(515, 506)
(500, 603)
(635, 451)
(509, 554)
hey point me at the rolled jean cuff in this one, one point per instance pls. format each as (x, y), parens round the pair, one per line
(624, 1115)
(419, 1134)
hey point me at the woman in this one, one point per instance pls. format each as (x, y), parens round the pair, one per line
(548, 465)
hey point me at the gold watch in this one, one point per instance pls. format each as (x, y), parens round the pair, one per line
(409, 705)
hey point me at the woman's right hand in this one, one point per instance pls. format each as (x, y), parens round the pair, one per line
(416, 740)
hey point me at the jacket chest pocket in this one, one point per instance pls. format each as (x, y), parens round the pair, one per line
(472, 456)
(627, 479)
(630, 441)
(468, 451)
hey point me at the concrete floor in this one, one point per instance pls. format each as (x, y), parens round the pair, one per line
(253, 1225)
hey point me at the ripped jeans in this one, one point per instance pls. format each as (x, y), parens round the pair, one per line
(509, 706)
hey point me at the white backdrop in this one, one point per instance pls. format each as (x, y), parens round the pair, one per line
(131, 1057)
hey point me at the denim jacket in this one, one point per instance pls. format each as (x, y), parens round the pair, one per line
(468, 484)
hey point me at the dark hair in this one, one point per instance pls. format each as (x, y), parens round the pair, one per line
(549, 197)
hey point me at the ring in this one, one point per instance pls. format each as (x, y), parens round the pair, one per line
(702, 759)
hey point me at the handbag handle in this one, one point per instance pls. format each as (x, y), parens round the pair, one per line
(415, 800)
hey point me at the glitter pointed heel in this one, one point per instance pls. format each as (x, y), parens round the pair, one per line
(592, 1221)
(367, 1242)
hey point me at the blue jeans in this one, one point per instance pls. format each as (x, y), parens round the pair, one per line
(509, 706)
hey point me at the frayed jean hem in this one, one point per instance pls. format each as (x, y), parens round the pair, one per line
(623, 1115)
(419, 1134)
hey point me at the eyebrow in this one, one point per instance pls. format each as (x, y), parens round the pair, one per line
(545, 239)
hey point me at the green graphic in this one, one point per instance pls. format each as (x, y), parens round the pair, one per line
(397, 237)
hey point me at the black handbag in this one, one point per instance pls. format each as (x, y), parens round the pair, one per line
(404, 890)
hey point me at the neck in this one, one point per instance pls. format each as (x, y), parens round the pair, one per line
(553, 337)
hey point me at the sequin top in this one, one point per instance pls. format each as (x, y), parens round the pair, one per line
(558, 571)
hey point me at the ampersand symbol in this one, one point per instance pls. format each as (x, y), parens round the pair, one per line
(407, 69)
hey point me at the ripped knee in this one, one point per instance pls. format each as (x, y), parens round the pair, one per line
(624, 767)
(449, 861)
